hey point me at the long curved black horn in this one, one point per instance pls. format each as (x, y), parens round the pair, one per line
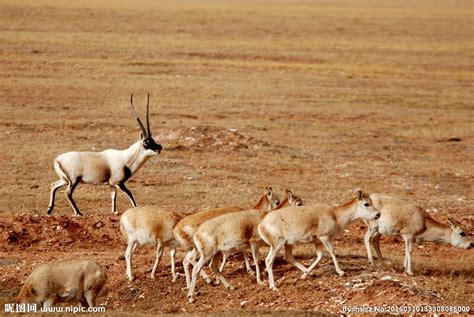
(147, 115)
(145, 134)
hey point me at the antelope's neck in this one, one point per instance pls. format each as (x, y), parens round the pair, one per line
(435, 232)
(283, 204)
(345, 213)
(263, 204)
(135, 157)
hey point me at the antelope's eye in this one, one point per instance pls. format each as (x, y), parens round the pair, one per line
(462, 234)
(366, 205)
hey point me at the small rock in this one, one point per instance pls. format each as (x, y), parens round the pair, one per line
(386, 278)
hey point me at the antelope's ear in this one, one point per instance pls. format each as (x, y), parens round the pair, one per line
(452, 224)
(288, 193)
(270, 190)
(360, 194)
(141, 136)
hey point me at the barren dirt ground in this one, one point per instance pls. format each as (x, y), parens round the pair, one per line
(317, 96)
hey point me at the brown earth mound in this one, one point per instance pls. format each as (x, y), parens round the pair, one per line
(26, 231)
(208, 138)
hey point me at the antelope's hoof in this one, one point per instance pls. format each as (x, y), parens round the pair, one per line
(216, 282)
(208, 280)
(410, 273)
(230, 287)
(341, 273)
(191, 299)
(274, 288)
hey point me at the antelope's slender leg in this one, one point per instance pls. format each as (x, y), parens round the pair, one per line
(269, 262)
(191, 258)
(219, 274)
(128, 258)
(327, 243)
(89, 295)
(113, 195)
(129, 194)
(408, 250)
(69, 191)
(376, 244)
(224, 261)
(54, 187)
(173, 269)
(203, 259)
(247, 264)
(254, 249)
(367, 241)
(186, 262)
(290, 258)
(319, 256)
(159, 253)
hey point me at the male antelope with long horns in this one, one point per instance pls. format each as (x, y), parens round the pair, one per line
(112, 167)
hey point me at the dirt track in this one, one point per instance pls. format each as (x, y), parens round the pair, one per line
(317, 97)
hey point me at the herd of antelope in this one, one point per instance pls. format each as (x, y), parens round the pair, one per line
(224, 231)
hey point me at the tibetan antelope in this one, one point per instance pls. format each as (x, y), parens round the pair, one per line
(149, 225)
(228, 234)
(290, 200)
(318, 223)
(403, 218)
(55, 282)
(186, 228)
(112, 167)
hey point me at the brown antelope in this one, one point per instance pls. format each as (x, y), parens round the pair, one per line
(112, 167)
(228, 234)
(186, 228)
(289, 201)
(403, 218)
(149, 225)
(311, 224)
(55, 282)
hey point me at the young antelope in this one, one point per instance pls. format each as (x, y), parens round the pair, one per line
(403, 218)
(186, 228)
(318, 223)
(149, 225)
(227, 234)
(72, 281)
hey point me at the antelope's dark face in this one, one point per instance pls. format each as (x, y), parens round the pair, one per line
(151, 147)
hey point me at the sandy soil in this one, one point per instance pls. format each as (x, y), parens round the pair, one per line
(319, 97)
